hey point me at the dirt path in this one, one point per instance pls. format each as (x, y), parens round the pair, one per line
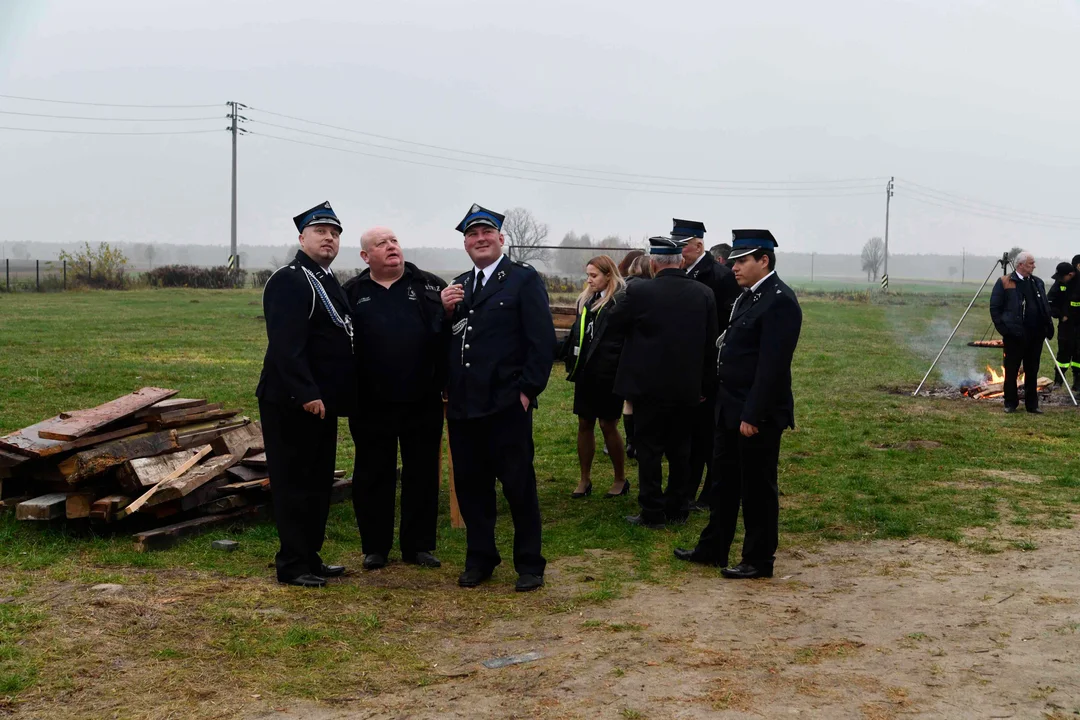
(882, 630)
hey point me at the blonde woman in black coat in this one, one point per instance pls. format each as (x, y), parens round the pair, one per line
(592, 353)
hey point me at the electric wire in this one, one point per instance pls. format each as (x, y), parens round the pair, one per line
(108, 119)
(108, 132)
(99, 104)
(982, 204)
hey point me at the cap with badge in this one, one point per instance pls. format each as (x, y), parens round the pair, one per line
(480, 216)
(319, 215)
(687, 228)
(1063, 269)
(745, 242)
(661, 245)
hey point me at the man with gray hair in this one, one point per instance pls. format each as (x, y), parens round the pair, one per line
(401, 369)
(667, 367)
(1020, 312)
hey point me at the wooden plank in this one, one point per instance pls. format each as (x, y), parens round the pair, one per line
(223, 504)
(243, 473)
(163, 537)
(181, 420)
(341, 491)
(257, 460)
(191, 480)
(182, 413)
(107, 508)
(44, 507)
(28, 440)
(11, 459)
(78, 505)
(78, 423)
(202, 433)
(210, 491)
(13, 502)
(240, 441)
(180, 471)
(137, 475)
(247, 485)
(339, 474)
(83, 464)
(169, 405)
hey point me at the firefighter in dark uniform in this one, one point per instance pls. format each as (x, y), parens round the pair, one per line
(307, 382)
(753, 407)
(500, 353)
(703, 267)
(401, 361)
(667, 368)
(1064, 300)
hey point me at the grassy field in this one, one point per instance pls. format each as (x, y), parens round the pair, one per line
(865, 462)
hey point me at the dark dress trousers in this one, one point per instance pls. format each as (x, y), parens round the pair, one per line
(1022, 316)
(667, 365)
(721, 280)
(308, 357)
(1064, 301)
(401, 370)
(501, 343)
(754, 372)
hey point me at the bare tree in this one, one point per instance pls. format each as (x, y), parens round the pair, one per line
(873, 255)
(525, 234)
(150, 252)
(1013, 253)
(953, 271)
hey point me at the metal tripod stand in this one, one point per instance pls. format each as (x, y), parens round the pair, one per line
(1004, 263)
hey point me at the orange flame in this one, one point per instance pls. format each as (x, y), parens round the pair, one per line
(994, 376)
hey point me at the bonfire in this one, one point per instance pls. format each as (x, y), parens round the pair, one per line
(992, 385)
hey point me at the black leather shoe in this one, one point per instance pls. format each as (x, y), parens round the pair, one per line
(695, 557)
(743, 571)
(1010, 409)
(631, 451)
(328, 571)
(625, 491)
(579, 495)
(306, 580)
(423, 559)
(473, 577)
(528, 583)
(1036, 411)
(641, 522)
(374, 561)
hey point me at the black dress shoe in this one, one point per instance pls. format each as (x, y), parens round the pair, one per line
(423, 559)
(305, 580)
(743, 571)
(473, 577)
(327, 571)
(1036, 411)
(642, 522)
(528, 583)
(1010, 409)
(695, 557)
(631, 451)
(579, 495)
(625, 491)
(374, 561)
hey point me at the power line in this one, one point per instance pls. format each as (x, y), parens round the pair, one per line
(97, 104)
(734, 192)
(106, 132)
(528, 170)
(108, 119)
(563, 167)
(959, 208)
(946, 196)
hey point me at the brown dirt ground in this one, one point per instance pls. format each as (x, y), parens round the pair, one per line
(878, 630)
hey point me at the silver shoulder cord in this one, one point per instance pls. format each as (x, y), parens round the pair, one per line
(316, 287)
(723, 335)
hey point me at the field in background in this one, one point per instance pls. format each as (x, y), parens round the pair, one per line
(866, 462)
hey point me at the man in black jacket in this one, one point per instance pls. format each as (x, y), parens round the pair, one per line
(500, 352)
(754, 405)
(1064, 301)
(307, 381)
(1021, 314)
(401, 361)
(701, 266)
(666, 369)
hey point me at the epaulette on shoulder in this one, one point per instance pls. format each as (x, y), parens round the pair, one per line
(523, 265)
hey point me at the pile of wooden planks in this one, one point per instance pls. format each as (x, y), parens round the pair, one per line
(148, 461)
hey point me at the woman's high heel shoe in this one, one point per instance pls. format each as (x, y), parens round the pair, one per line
(625, 491)
(579, 495)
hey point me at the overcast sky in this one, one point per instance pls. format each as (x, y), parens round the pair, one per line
(975, 99)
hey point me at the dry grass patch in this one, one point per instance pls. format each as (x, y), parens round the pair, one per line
(814, 654)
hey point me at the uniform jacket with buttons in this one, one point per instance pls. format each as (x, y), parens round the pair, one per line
(722, 281)
(308, 357)
(501, 342)
(1007, 308)
(1064, 301)
(669, 354)
(754, 366)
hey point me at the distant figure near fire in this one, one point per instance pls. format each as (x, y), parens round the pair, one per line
(1021, 314)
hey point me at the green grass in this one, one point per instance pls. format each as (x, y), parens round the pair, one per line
(843, 473)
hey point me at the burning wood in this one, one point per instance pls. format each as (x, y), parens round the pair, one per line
(993, 385)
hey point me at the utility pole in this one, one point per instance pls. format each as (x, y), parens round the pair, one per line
(888, 198)
(811, 267)
(236, 131)
(963, 264)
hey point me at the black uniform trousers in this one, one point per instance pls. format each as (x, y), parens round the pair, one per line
(746, 469)
(301, 451)
(417, 426)
(701, 450)
(659, 431)
(1026, 351)
(1067, 350)
(497, 446)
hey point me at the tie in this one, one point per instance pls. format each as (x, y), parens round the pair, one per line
(479, 282)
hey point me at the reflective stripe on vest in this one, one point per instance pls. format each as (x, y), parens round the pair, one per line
(1074, 303)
